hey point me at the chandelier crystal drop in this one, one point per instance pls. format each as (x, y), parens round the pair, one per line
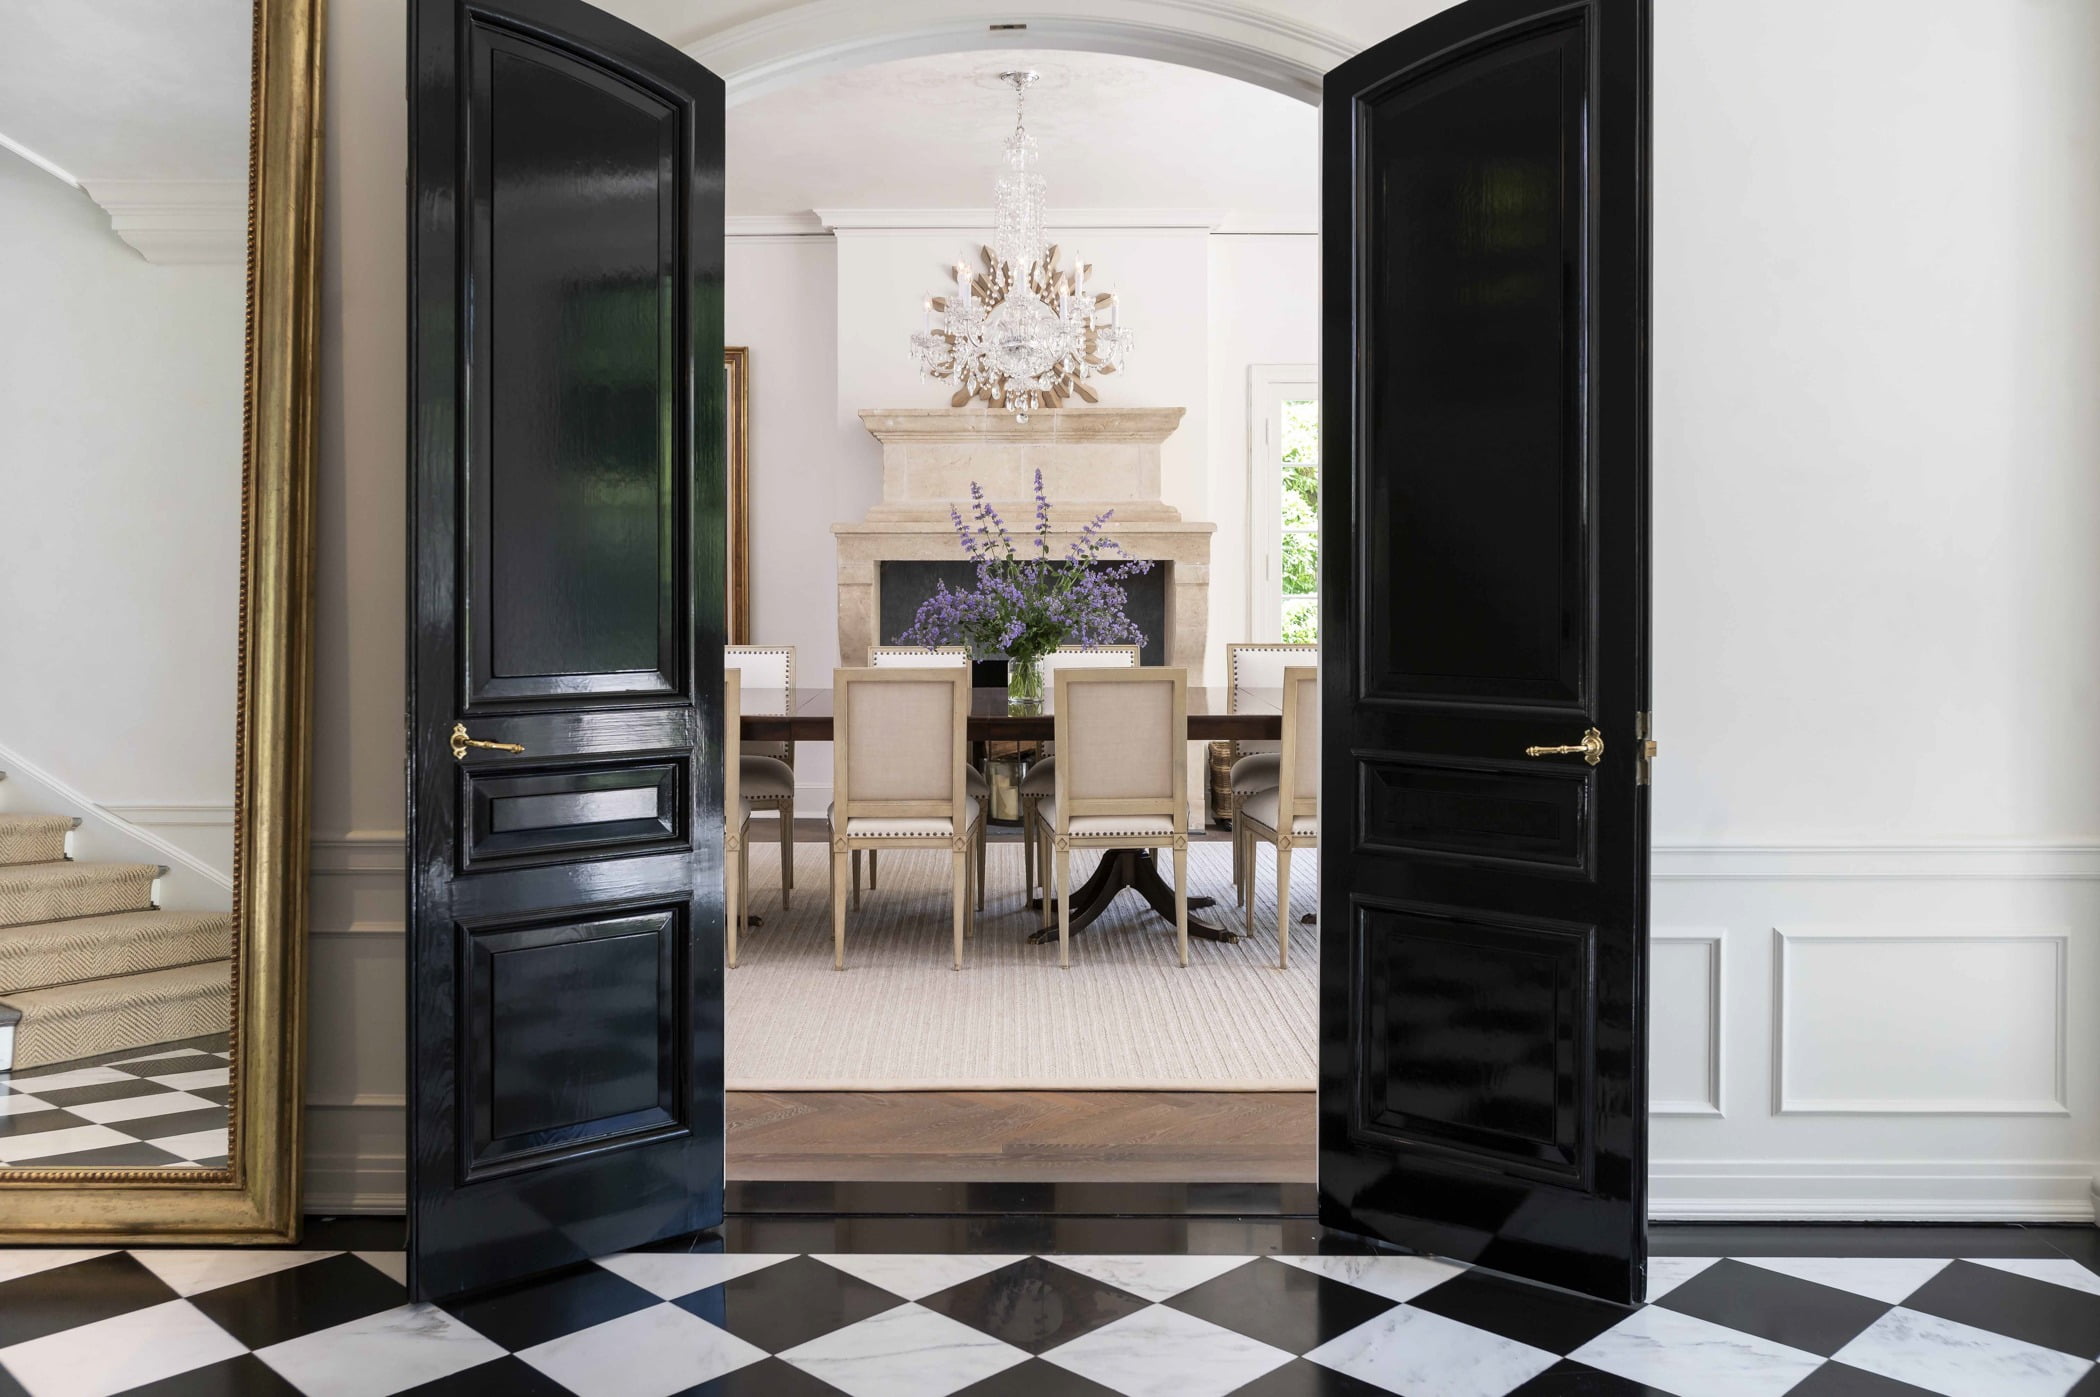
(1023, 333)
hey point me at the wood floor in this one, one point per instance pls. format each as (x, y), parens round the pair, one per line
(1037, 1136)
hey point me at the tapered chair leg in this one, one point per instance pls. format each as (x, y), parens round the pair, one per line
(1239, 848)
(1181, 897)
(787, 854)
(1028, 847)
(1283, 905)
(839, 874)
(983, 842)
(856, 880)
(873, 855)
(962, 895)
(1064, 908)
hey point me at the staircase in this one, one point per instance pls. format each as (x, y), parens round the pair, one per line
(88, 964)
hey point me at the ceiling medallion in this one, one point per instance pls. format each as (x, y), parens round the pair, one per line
(1024, 333)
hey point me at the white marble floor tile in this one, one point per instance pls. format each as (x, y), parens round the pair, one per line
(23, 1105)
(1889, 1279)
(649, 1353)
(194, 1272)
(391, 1264)
(1417, 1353)
(672, 1274)
(1958, 1360)
(1394, 1277)
(915, 1275)
(189, 1081)
(126, 1108)
(1163, 1352)
(2062, 1271)
(906, 1352)
(1693, 1358)
(124, 1352)
(380, 1354)
(1666, 1273)
(198, 1144)
(1151, 1277)
(27, 1261)
(50, 1142)
(78, 1077)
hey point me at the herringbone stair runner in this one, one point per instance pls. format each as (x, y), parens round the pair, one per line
(88, 965)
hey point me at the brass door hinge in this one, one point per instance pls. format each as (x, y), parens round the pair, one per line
(1644, 750)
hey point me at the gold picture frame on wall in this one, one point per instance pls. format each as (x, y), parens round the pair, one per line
(736, 364)
(254, 1197)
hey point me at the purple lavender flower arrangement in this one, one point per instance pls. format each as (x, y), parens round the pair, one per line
(1028, 603)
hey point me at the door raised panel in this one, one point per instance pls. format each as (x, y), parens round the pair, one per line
(517, 813)
(1536, 818)
(572, 1033)
(1474, 461)
(1475, 1034)
(575, 540)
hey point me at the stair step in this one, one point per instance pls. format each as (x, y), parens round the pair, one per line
(120, 1013)
(39, 955)
(51, 892)
(34, 838)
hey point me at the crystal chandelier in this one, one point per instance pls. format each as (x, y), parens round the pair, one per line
(1022, 333)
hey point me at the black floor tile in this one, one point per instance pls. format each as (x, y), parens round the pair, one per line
(2054, 1316)
(1843, 1380)
(9, 1387)
(222, 1095)
(66, 1297)
(788, 1303)
(1554, 1320)
(1303, 1378)
(175, 1123)
(1568, 1378)
(101, 1091)
(1281, 1305)
(768, 1377)
(1033, 1304)
(38, 1123)
(354, 1234)
(134, 1155)
(504, 1377)
(2080, 1243)
(246, 1376)
(549, 1307)
(2087, 1386)
(1785, 1309)
(217, 1161)
(287, 1304)
(1826, 1239)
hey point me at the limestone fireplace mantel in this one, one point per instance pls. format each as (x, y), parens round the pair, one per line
(1092, 459)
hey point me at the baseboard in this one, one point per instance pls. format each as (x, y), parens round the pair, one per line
(339, 1184)
(1873, 1191)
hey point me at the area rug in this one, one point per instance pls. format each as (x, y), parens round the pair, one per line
(1124, 1017)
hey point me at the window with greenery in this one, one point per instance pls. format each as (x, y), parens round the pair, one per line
(1299, 537)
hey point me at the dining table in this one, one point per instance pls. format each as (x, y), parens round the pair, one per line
(1213, 717)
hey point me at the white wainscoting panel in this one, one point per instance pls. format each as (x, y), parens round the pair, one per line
(1941, 1020)
(1686, 1021)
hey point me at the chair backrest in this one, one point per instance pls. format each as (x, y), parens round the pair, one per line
(1253, 669)
(899, 735)
(732, 723)
(769, 687)
(1298, 769)
(917, 656)
(1096, 657)
(1122, 742)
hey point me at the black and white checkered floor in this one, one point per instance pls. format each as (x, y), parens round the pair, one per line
(2020, 1321)
(162, 1107)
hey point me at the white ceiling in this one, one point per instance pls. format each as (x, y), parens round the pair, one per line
(128, 89)
(1114, 132)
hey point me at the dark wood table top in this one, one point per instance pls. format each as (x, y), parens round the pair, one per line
(1260, 717)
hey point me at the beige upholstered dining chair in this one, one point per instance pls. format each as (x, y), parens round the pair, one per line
(930, 657)
(768, 768)
(898, 778)
(1255, 669)
(1293, 821)
(1041, 780)
(1122, 777)
(736, 817)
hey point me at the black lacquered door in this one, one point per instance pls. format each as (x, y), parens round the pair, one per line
(1482, 1084)
(565, 755)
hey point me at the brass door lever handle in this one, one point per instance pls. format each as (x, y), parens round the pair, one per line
(461, 742)
(1591, 749)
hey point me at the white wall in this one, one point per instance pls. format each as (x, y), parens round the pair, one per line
(120, 498)
(1877, 324)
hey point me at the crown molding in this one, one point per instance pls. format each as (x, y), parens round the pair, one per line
(775, 225)
(178, 222)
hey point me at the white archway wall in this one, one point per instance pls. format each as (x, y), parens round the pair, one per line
(1877, 618)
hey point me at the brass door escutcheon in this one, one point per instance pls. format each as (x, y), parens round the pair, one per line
(1591, 749)
(461, 742)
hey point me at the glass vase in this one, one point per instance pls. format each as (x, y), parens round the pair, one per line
(1024, 683)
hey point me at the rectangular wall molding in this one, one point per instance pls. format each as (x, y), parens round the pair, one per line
(1687, 1023)
(1930, 1020)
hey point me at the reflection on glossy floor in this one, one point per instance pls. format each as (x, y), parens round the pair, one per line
(1007, 1304)
(162, 1107)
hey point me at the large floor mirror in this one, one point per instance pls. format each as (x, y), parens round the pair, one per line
(158, 262)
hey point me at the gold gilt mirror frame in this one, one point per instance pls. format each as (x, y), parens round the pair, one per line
(255, 1198)
(736, 364)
